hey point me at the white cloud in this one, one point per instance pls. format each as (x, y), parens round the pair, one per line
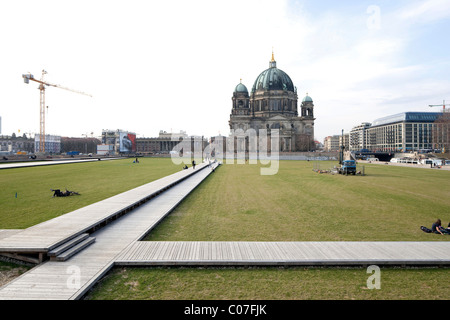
(426, 11)
(173, 65)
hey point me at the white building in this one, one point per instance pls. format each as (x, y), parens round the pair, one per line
(332, 143)
(52, 143)
(359, 137)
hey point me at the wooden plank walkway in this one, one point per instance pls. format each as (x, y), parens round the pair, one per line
(72, 278)
(13, 165)
(5, 233)
(118, 243)
(47, 235)
(149, 253)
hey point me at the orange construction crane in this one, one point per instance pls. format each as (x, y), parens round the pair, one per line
(42, 84)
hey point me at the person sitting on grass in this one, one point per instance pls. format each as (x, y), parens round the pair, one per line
(439, 229)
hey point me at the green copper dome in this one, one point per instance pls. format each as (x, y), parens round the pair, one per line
(273, 79)
(307, 99)
(241, 88)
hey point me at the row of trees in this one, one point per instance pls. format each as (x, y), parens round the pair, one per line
(14, 136)
(441, 132)
(82, 145)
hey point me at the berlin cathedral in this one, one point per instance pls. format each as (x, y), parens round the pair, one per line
(273, 104)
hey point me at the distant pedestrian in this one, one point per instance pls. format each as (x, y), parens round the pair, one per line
(193, 164)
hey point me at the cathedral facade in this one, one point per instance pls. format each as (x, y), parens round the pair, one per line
(273, 104)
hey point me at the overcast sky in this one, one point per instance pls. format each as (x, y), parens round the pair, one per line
(173, 65)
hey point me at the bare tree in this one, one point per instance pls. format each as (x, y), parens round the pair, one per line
(304, 142)
(83, 145)
(441, 132)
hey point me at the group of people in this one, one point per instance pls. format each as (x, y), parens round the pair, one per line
(437, 228)
(59, 193)
(193, 165)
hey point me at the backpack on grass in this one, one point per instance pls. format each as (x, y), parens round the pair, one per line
(425, 229)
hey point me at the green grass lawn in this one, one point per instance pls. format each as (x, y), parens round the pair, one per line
(236, 203)
(9, 271)
(270, 284)
(94, 181)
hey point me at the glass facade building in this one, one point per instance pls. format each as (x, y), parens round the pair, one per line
(404, 132)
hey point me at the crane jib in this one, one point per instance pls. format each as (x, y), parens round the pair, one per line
(26, 79)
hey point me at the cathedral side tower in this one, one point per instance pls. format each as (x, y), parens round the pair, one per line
(241, 100)
(240, 112)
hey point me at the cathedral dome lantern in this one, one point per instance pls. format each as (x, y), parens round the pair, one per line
(272, 63)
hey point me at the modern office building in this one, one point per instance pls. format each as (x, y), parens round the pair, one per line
(403, 132)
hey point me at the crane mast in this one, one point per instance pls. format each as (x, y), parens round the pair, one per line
(42, 84)
(42, 114)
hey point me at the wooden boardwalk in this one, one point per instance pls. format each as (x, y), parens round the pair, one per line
(147, 253)
(71, 279)
(47, 235)
(13, 165)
